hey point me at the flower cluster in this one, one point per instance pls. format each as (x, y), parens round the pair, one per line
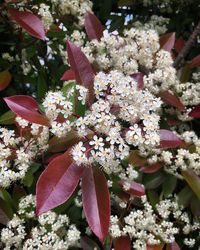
(122, 125)
(118, 100)
(158, 23)
(18, 152)
(50, 230)
(187, 158)
(147, 227)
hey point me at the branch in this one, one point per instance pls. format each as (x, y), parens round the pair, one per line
(186, 49)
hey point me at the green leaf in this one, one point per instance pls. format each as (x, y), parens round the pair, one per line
(185, 73)
(169, 185)
(80, 109)
(29, 177)
(17, 194)
(70, 86)
(7, 118)
(153, 198)
(61, 144)
(193, 181)
(41, 86)
(185, 196)
(6, 196)
(154, 180)
(195, 206)
(6, 212)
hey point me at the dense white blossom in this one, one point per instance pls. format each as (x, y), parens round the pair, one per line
(51, 231)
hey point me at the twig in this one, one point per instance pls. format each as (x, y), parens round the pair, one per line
(186, 49)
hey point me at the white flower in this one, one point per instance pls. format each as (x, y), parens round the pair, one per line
(97, 143)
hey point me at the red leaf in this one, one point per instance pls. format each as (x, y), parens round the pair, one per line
(136, 159)
(135, 189)
(172, 246)
(5, 79)
(93, 27)
(172, 100)
(172, 121)
(151, 168)
(195, 62)
(179, 44)
(122, 243)
(31, 23)
(27, 108)
(195, 113)
(138, 77)
(168, 139)
(167, 41)
(68, 75)
(96, 201)
(57, 183)
(51, 158)
(155, 247)
(82, 68)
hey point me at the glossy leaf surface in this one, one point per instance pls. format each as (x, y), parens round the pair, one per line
(172, 100)
(167, 41)
(96, 201)
(151, 168)
(168, 139)
(27, 108)
(28, 21)
(93, 26)
(82, 68)
(57, 183)
(195, 113)
(136, 189)
(68, 75)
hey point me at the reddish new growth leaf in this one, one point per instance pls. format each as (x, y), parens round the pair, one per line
(171, 121)
(122, 242)
(31, 23)
(133, 188)
(151, 168)
(179, 44)
(195, 62)
(68, 75)
(82, 68)
(57, 183)
(172, 100)
(96, 201)
(93, 27)
(5, 79)
(155, 247)
(172, 246)
(195, 113)
(27, 108)
(138, 77)
(167, 41)
(168, 139)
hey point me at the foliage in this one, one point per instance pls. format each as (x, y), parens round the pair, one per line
(100, 127)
